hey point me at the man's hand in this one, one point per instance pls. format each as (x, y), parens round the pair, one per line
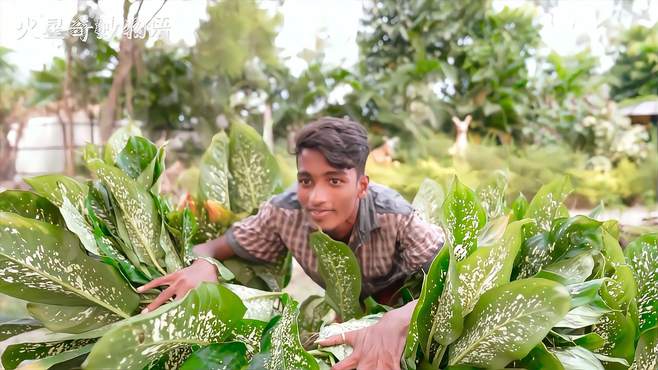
(180, 282)
(378, 346)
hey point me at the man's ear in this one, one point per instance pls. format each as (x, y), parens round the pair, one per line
(363, 186)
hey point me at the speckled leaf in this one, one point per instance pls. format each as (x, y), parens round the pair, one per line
(463, 217)
(263, 276)
(118, 141)
(642, 255)
(577, 358)
(45, 344)
(214, 172)
(71, 319)
(340, 270)
(582, 316)
(77, 224)
(14, 327)
(60, 361)
(261, 305)
(206, 315)
(173, 261)
(281, 347)
(30, 205)
(618, 333)
(254, 170)
(447, 323)
(492, 195)
(249, 332)
(646, 355)
(136, 156)
(43, 263)
(138, 210)
(509, 321)
(48, 186)
(426, 307)
(489, 267)
(492, 231)
(547, 203)
(428, 201)
(218, 356)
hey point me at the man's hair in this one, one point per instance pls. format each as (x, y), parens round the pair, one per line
(342, 142)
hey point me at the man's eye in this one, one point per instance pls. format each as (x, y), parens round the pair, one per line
(304, 182)
(335, 181)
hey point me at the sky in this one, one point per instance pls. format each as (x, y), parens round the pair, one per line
(24, 26)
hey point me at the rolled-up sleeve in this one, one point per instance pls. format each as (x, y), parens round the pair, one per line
(420, 242)
(257, 238)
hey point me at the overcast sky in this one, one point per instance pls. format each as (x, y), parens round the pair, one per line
(568, 28)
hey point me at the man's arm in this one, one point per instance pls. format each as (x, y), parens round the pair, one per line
(216, 248)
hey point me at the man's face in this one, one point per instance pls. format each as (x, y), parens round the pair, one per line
(330, 195)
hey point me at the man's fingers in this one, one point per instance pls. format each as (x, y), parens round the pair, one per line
(163, 280)
(345, 338)
(159, 300)
(348, 362)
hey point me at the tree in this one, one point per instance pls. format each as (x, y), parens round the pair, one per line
(636, 66)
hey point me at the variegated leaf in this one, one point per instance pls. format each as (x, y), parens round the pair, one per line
(206, 315)
(642, 255)
(569, 270)
(463, 217)
(541, 359)
(428, 201)
(618, 333)
(547, 204)
(72, 319)
(646, 355)
(138, 211)
(344, 350)
(136, 156)
(340, 270)
(489, 267)
(577, 358)
(43, 263)
(118, 141)
(281, 348)
(46, 345)
(447, 322)
(30, 205)
(426, 308)
(214, 172)
(249, 332)
(76, 223)
(53, 187)
(492, 195)
(254, 170)
(508, 322)
(218, 356)
(71, 359)
(14, 327)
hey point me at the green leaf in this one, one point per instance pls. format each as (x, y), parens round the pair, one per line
(646, 355)
(492, 195)
(224, 356)
(214, 172)
(139, 213)
(46, 345)
(448, 321)
(547, 203)
(249, 332)
(582, 316)
(48, 186)
(30, 205)
(492, 231)
(489, 267)
(428, 201)
(341, 273)
(118, 141)
(343, 350)
(519, 207)
(254, 170)
(541, 359)
(206, 315)
(264, 276)
(509, 321)
(77, 224)
(642, 256)
(577, 358)
(618, 332)
(281, 348)
(463, 217)
(71, 319)
(43, 263)
(61, 360)
(14, 327)
(585, 292)
(426, 308)
(136, 156)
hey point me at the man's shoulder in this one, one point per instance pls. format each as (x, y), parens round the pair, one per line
(387, 200)
(287, 199)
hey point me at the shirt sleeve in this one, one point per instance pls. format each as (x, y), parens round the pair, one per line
(257, 238)
(420, 242)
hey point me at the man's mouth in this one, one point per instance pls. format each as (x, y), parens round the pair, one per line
(319, 213)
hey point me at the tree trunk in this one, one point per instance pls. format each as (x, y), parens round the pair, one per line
(67, 120)
(268, 134)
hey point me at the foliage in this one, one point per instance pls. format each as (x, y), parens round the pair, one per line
(633, 73)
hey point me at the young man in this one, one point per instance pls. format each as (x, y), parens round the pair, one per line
(389, 240)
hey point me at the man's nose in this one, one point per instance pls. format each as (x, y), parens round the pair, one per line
(318, 196)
